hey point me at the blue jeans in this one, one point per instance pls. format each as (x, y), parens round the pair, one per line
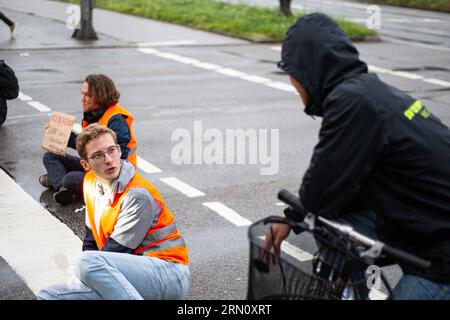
(64, 171)
(121, 276)
(409, 287)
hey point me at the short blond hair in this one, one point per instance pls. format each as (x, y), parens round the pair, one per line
(91, 132)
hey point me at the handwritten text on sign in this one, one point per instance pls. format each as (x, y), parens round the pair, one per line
(57, 133)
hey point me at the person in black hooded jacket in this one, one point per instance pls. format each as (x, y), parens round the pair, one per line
(9, 88)
(380, 152)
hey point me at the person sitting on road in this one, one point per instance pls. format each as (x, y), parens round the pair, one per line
(382, 156)
(99, 98)
(132, 248)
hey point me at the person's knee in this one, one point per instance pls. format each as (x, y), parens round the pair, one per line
(73, 181)
(86, 263)
(48, 157)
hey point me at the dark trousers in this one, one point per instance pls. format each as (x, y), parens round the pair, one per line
(5, 19)
(64, 171)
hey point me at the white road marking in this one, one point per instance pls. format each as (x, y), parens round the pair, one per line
(167, 43)
(276, 48)
(418, 44)
(296, 252)
(184, 188)
(281, 86)
(402, 74)
(39, 106)
(228, 213)
(22, 96)
(407, 75)
(146, 166)
(219, 69)
(438, 82)
(39, 248)
(293, 251)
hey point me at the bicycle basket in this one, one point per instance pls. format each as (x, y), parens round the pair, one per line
(288, 278)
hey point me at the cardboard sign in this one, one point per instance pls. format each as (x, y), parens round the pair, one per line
(57, 133)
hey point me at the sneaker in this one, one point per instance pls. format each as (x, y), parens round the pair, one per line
(44, 180)
(13, 28)
(63, 196)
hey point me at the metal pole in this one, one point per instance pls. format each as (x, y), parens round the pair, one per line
(86, 30)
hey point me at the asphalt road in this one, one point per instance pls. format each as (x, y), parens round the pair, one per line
(166, 93)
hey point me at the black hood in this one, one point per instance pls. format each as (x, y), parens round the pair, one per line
(319, 55)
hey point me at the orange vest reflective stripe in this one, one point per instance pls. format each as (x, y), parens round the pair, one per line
(162, 240)
(109, 113)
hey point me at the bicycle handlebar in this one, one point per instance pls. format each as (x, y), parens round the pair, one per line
(391, 252)
(406, 258)
(292, 201)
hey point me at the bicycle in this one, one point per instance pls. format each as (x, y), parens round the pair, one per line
(342, 251)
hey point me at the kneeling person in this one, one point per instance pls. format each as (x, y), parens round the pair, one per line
(132, 248)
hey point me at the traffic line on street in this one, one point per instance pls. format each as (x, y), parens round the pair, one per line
(418, 44)
(402, 74)
(293, 251)
(184, 188)
(146, 166)
(35, 104)
(22, 96)
(219, 69)
(38, 247)
(228, 213)
(438, 82)
(183, 42)
(39, 106)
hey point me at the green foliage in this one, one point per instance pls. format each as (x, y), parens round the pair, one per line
(244, 21)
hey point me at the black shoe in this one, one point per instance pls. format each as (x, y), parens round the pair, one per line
(63, 196)
(44, 180)
(13, 29)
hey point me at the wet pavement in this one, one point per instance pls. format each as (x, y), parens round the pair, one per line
(164, 95)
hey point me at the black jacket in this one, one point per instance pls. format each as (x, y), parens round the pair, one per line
(9, 86)
(377, 145)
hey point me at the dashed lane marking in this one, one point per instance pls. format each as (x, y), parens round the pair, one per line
(402, 74)
(219, 69)
(24, 97)
(228, 213)
(39, 106)
(184, 188)
(146, 166)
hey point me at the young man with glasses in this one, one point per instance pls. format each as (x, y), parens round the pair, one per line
(99, 98)
(132, 249)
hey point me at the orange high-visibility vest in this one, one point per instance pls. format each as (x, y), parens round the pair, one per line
(162, 240)
(109, 113)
